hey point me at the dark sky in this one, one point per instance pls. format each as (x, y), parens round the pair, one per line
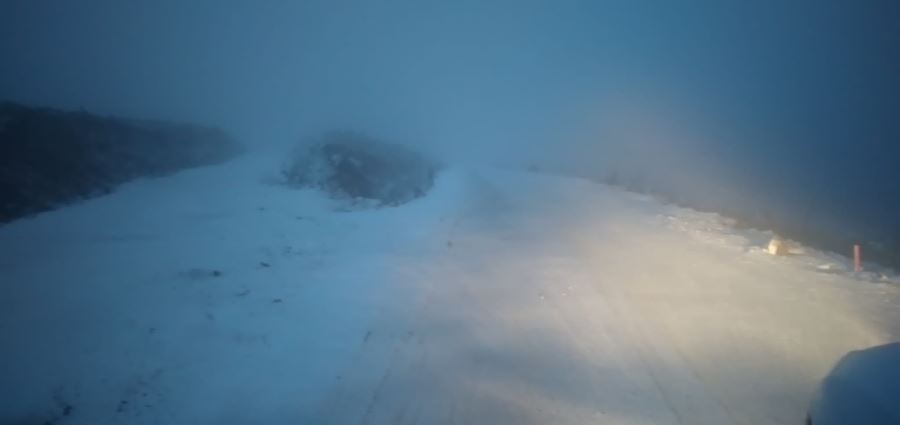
(793, 102)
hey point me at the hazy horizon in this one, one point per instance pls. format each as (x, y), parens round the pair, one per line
(783, 106)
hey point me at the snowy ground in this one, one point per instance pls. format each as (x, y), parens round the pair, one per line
(216, 297)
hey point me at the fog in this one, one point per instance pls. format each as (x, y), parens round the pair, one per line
(769, 108)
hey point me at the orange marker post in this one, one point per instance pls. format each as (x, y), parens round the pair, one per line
(857, 258)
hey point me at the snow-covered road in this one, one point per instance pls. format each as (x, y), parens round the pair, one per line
(213, 296)
(558, 301)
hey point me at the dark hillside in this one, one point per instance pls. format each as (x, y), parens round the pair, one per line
(50, 158)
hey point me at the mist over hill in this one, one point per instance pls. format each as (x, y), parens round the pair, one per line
(781, 113)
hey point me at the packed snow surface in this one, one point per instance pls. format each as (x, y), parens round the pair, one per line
(217, 296)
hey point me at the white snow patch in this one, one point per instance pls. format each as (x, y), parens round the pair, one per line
(212, 296)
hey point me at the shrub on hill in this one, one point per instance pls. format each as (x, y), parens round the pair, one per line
(355, 166)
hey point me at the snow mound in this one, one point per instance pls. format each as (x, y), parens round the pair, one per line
(354, 166)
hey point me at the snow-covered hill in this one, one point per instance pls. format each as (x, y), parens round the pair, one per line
(215, 296)
(50, 158)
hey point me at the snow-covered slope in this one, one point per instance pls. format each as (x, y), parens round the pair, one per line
(216, 297)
